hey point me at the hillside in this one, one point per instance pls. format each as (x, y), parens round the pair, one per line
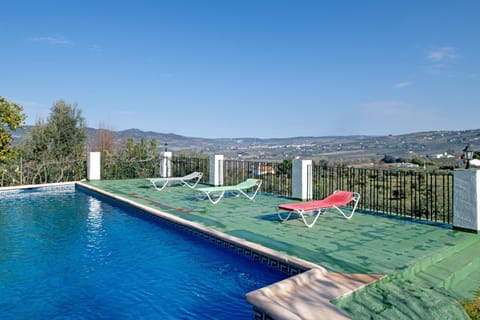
(417, 144)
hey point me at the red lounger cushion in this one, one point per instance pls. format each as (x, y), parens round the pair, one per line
(339, 198)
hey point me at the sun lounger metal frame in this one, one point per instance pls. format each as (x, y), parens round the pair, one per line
(215, 194)
(317, 208)
(185, 180)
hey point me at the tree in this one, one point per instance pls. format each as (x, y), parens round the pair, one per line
(104, 140)
(11, 117)
(143, 150)
(62, 136)
(66, 128)
(285, 168)
(388, 159)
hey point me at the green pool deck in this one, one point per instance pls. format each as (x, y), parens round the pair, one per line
(429, 267)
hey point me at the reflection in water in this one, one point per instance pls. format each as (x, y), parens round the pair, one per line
(94, 215)
(94, 223)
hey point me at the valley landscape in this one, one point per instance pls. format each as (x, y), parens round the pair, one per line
(428, 144)
(431, 144)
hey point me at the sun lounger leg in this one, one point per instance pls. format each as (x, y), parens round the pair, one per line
(246, 194)
(185, 182)
(303, 214)
(356, 199)
(254, 194)
(348, 217)
(161, 188)
(215, 201)
(282, 218)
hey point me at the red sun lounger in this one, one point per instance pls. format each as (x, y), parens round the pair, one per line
(318, 207)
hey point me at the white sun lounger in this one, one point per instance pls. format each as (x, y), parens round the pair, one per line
(190, 180)
(215, 194)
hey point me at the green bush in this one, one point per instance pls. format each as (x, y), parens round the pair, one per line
(472, 307)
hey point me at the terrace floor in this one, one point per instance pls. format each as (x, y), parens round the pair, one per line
(429, 267)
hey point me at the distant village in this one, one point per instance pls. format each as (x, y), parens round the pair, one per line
(421, 149)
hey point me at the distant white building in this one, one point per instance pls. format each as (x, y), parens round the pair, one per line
(261, 170)
(441, 156)
(408, 165)
(475, 162)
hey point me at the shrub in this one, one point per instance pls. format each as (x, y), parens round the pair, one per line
(472, 307)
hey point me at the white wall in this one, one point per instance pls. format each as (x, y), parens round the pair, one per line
(93, 166)
(216, 170)
(302, 179)
(466, 195)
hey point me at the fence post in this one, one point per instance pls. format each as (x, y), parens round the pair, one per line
(466, 200)
(93, 166)
(302, 179)
(216, 170)
(166, 164)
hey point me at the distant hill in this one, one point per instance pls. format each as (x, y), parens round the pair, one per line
(429, 143)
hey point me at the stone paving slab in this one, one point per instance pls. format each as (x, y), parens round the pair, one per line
(308, 295)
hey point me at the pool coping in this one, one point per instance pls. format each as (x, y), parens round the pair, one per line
(37, 186)
(306, 294)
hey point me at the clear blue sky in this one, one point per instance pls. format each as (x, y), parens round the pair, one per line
(247, 68)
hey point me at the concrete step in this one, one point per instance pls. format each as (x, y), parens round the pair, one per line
(441, 262)
(465, 282)
(458, 272)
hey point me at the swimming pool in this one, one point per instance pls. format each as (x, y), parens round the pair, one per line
(64, 253)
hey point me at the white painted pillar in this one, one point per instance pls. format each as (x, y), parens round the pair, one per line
(93, 166)
(466, 199)
(216, 170)
(166, 165)
(302, 179)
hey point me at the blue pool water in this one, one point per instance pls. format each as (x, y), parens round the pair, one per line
(65, 254)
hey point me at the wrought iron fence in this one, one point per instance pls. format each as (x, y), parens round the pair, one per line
(18, 172)
(418, 194)
(276, 176)
(412, 193)
(122, 167)
(182, 166)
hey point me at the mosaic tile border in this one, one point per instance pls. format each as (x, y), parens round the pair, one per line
(259, 256)
(37, 189)
(254, 255)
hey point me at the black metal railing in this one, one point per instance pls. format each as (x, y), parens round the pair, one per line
(276, 176)
(182, 166)
(412, 193)
(121, 167)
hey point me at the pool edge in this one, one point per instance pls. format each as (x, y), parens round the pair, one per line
(306, 294)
